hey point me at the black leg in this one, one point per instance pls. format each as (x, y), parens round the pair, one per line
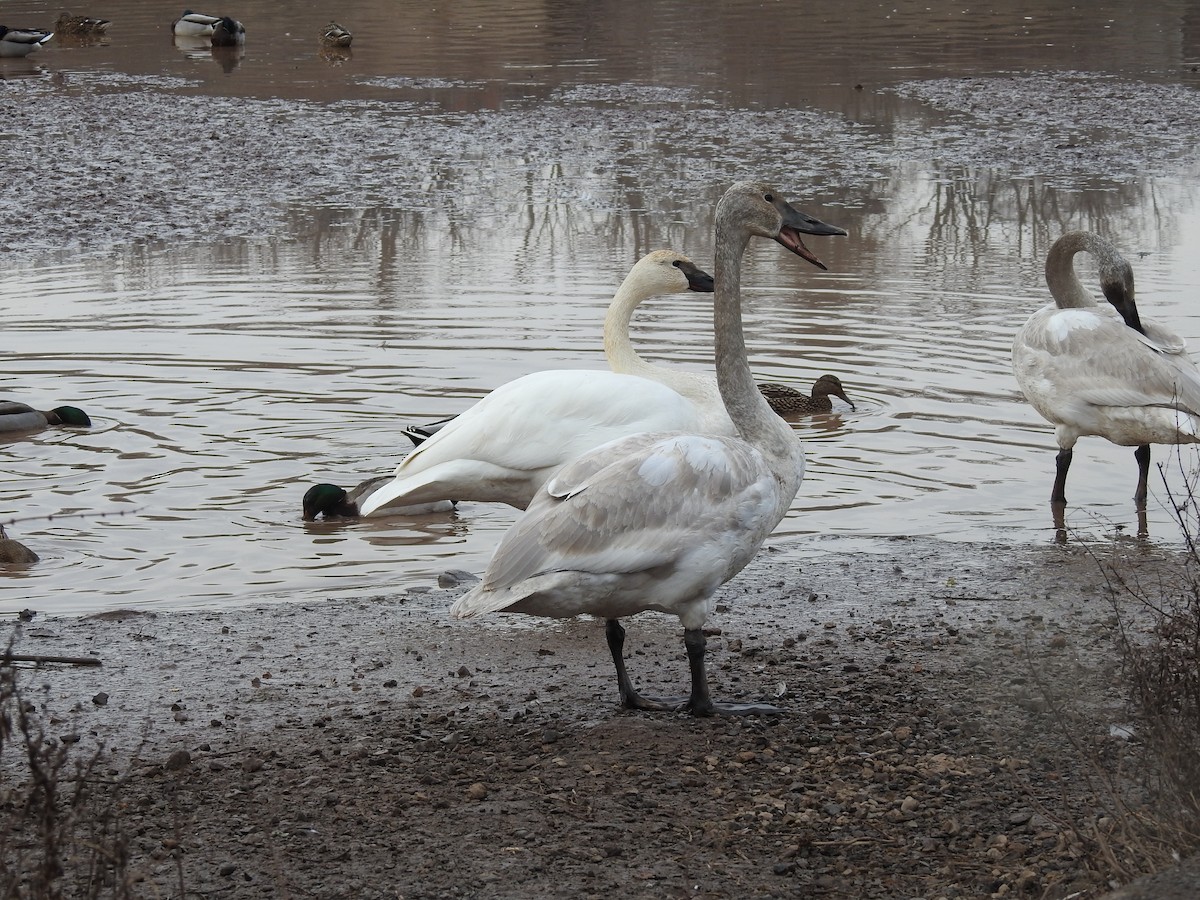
(1142, 455)
(1062, 462)
(630, 698)
(700, 703)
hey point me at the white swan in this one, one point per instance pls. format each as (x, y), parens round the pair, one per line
(1090, 373)
(504, 447)
(660, 521)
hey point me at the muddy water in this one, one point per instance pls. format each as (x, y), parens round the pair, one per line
(253, 269)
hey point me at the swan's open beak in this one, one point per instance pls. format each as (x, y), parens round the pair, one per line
(795, 223)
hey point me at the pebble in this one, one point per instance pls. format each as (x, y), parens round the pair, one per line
(178, 760)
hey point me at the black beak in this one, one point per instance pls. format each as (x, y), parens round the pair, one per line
(796, 223)
(698, 279)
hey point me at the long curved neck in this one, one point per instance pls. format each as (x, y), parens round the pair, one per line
(625, 360)
(1064, 284)
(756, 422)
(618, 349)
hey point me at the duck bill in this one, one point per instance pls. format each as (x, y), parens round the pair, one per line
(796, 223)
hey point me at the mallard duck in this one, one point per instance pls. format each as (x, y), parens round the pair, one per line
(785, 399)
(228, 33)
(1088, 372)
(80, 25)
(21, 41)
(660, 521)
(331, 501)
(194, 24)
(16, 416)
(14, 552)
(334, 35)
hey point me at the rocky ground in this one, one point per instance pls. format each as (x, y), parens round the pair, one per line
(947, 730)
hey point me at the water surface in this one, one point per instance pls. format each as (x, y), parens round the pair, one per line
(253, 270)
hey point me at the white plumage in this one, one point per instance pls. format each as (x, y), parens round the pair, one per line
(504, 447)
(660, 521)
(1089, 372)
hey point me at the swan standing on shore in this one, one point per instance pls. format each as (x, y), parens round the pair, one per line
(502, 449)
(1089, 373)
(660, 521)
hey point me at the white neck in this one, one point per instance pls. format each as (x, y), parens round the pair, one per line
(624, 359)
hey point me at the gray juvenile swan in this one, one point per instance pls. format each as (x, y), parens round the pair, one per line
(660, 521)
(1089, 373)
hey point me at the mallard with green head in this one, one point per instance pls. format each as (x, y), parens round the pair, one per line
(16, 416)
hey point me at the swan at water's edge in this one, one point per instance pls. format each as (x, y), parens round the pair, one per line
(660, 521)
(1089, 373)
(504, 447)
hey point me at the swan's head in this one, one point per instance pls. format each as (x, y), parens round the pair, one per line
(1116, 281)
(670, 272)
(762, 211)
(324, 499)
(69, 415)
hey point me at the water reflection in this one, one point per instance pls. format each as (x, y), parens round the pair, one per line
(459, 214)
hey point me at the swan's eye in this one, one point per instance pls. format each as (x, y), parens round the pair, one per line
(770, 198)
(676, 264)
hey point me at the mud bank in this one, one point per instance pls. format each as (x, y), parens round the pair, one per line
(947, 710)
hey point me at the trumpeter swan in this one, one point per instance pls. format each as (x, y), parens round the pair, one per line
(660, 521)
(1090, 373)
(504, 447)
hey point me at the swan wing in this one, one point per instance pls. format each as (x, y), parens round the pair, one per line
(644, 510)
(517, 435)
(1080, 355)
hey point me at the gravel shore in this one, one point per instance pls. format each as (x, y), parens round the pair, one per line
(948, 723)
